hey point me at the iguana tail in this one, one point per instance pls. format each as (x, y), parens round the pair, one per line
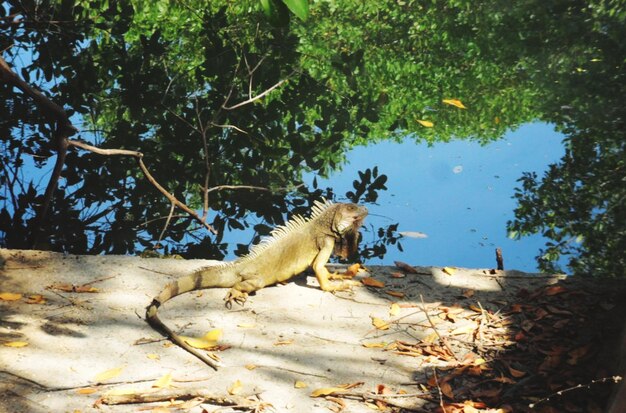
(205, 278)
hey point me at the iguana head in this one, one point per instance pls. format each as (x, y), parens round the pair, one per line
(346, 222)
(348, 217)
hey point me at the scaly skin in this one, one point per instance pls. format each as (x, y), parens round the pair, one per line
(294, 247)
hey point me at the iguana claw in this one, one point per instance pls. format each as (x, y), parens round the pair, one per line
(237, 296)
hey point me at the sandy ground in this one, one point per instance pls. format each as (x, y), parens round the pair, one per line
(297, 337)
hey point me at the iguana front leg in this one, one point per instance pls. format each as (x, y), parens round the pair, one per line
(321, 273)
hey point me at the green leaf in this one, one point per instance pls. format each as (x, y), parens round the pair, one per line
(298, 7)
(276, 12)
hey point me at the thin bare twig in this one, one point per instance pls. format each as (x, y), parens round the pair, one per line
(259, 96)
(229, 126)
(179, 394)
(443, 409)
(167, 223)
(432, 325)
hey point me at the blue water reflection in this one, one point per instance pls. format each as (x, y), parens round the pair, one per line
(459, 194)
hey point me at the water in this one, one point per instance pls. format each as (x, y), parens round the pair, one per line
(459, 194)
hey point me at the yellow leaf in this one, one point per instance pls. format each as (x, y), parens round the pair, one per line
(372, 282)
(426, 123)
(352, 270)
(86, 289)
(235, 388)
(153, 356)
(250, 366)
(300, 384)
(10, 296)
(209, 340)
(431, 338)
(449, 270)
(108, 374)
(327, 391)
(379, 323)
(17, 344)
(164, 382)
(380, 344)
(246, 325)
(455, 102)
(462, 330)
(86, 390)
(394, 310)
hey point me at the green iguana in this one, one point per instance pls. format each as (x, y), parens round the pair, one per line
(299, 244)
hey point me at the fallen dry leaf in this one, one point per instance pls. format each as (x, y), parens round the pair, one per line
(555, 289)
(164, 382)
(468, 293)
(153, 356)
(300, 384)
(463, 330)
(16, 344)
(405, 267)
(446, 389)
(397, 294)
(352, 270)
(516, 373)
(86, 390)
(394, 310)
(250, 366)
(10, 296)
(398, 275)
(372, 282)
(379, 323)
(283, 342)
(326, 391)
(209, 340)
(235, 388)
(108, 374)
(449, 270)
(36, 299)
(380, 344)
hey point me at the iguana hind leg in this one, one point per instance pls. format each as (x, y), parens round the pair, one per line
(239, 292)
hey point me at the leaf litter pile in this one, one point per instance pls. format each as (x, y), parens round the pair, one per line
(549, 350)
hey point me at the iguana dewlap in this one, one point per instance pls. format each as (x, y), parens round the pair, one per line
(299, 244)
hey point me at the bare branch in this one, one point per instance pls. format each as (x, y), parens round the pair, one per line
(138, 156)
(167, 223)
(222, 187)
(253, 188)
(259, 96)
(49, 108)
(229, 126)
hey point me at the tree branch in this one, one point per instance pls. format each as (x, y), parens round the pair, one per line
(139, 157)
(50, 109)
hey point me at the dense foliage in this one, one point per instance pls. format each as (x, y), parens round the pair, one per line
(252, 94)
